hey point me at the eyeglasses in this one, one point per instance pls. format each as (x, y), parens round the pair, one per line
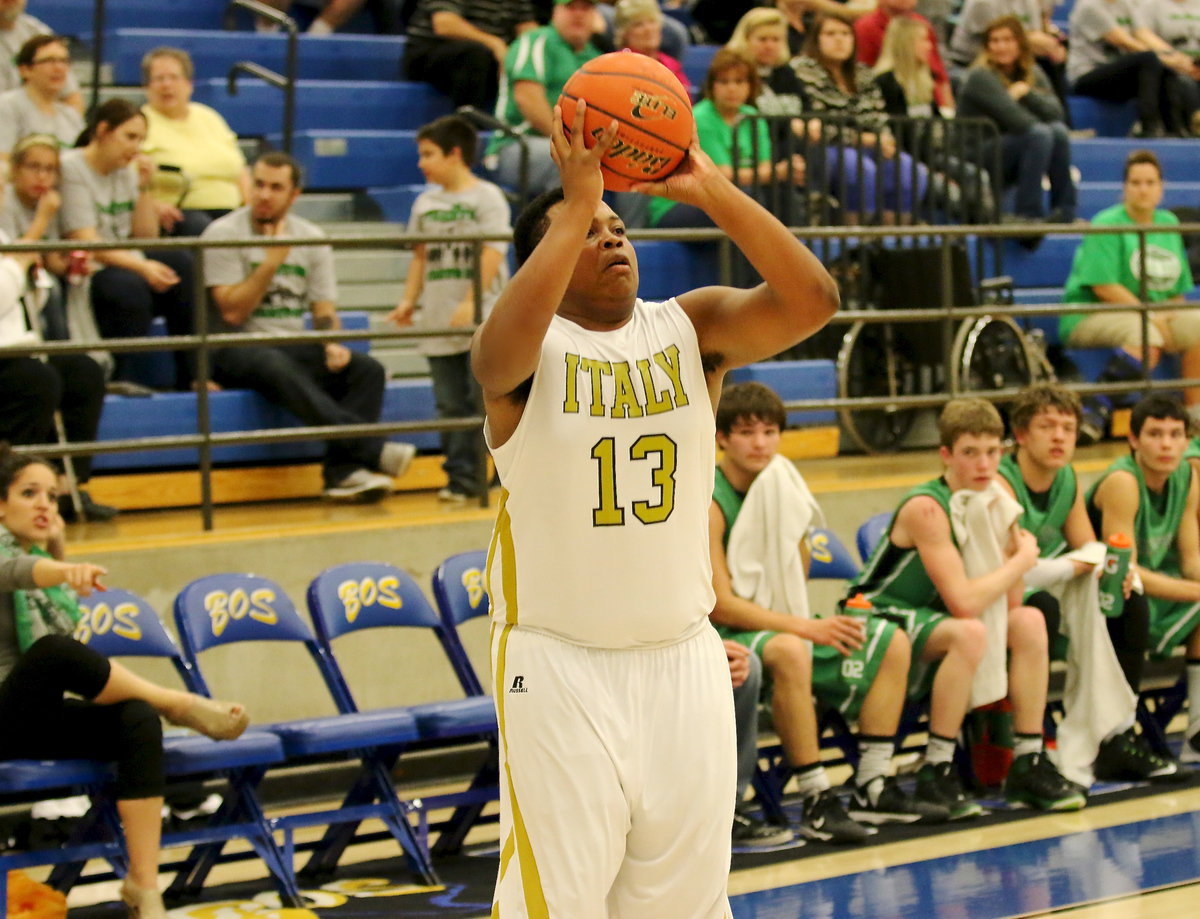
(60, 59)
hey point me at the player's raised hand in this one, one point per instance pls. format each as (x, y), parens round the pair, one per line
(579, 165)
(689, 183)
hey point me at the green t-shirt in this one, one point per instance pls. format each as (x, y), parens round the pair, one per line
(1158, 515)
(895, 577)
(729, 500)
(541, 56)
(716, 139)
(1115, 259)
(1044, 519)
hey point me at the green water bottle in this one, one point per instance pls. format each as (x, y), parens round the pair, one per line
(854, 663)
(1112, 578)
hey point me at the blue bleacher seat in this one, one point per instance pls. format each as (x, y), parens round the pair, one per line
(793, 380)
(76, 17)
(1107, 119)
(696, 60)
(327, 104)
(328, 57)
(354, 158)
(1046, 266)
(235, 609)
(830, 557)
(670, 268)
(870, 532)
(395, 202)
(1095, 196)
(1102, 159)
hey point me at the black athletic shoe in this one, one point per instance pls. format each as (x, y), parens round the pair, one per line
(750, 832)
(882, 800)
(92, 510)
(826, 819)
(939, 783)
(1128, 757)
(1033, 781)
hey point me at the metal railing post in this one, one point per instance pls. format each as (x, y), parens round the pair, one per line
(285, 81)
(203, 374)
(98, 18)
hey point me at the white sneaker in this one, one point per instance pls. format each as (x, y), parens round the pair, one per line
(395, 458)
(1190, 751)
(361, 485)
(450, 496)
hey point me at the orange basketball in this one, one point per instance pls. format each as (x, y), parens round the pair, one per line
(651, 107)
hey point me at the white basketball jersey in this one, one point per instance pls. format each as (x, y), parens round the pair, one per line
(601, 536)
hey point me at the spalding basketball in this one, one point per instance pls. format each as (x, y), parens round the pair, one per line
(652, 109)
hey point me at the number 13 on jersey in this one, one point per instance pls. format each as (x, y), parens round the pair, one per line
(658, 452)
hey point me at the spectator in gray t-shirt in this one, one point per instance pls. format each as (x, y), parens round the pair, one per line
(270, 288)
(36, 107)
(1115, 56)
(16, 28)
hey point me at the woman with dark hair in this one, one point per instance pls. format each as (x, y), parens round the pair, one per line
(1006, 86)
(114, 714)
(106, 197)
(44, 63)
(837, 85)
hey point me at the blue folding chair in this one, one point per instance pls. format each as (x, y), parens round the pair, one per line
(460, 590)
(119, 623)
(370, 595)
(870, 532)
(226, 609)
(829, 556)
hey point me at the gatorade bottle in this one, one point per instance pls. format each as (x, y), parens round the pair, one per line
(1112, 578)
(854, 663)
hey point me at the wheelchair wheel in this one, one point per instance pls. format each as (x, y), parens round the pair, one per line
(873, 362)
(992, 352)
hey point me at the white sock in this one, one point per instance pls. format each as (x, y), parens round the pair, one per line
(1024, 744)
(811, 780)
(939, 750)
(874, 759)
(320, 27)
(1193, 693)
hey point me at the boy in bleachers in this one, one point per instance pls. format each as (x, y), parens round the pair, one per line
(759, 521)
(1099, 707)
(1152, 495)
(441, 278)
(950, 568)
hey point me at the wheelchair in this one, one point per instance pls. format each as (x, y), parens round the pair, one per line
(886, 360)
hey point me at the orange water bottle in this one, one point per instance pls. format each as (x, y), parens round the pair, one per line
(854, 663)
(1112, 578)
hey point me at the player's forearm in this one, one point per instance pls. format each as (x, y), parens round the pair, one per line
(236, 302)
(977, 594)
(733, 612)
(1180, 590)
(144, 224)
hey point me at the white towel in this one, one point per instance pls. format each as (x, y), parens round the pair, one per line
(1097, 701)
(763, 551)
(982, 523)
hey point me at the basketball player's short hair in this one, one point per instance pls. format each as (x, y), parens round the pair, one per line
(977, 417)
(276, 159)
(532, 223)
(746, 402)
(1038, 398)
(447, 133)
(1160, 405)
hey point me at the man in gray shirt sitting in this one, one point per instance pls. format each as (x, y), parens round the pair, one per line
(269, 289)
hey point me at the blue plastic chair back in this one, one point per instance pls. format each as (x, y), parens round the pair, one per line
(459, 587)
(367, 595)
(119, 623)
(222, 609)
(830, 557)
(872, 530)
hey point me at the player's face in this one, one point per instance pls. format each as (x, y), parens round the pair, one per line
(271, 193)
(436, 166)
(644, 36)
(606, 272)
(767, 45)
(30, 507)
(1143, 189)
(835, 43)
(972, 461)
(35, 175)
(750, 444)
(168, 90)
(48, 71)
(1050, 438)
(1160, 444)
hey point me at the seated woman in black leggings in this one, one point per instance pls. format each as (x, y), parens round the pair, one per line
(116, 717)
(105, 196)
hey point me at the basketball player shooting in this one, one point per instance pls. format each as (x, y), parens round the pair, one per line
(612, 690)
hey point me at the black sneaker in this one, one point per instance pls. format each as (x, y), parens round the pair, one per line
(92, 510)
(882, 800)
(1033, 781)
(826, 819)
(939, 783)
(1127, 757)
(752, 833)
(1189, 753)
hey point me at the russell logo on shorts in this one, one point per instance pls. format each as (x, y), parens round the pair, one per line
(518, 684)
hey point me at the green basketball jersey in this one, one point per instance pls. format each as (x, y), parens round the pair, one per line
(895, 577)
(1158, 515)
(1045, 523)
(729, 500)
(1193, 449)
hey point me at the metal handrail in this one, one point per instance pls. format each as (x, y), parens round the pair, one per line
(98, 17)
(204, 341)
(285, 81)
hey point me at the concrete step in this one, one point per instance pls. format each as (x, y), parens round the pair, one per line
(369, 266)
(372, 297)
(325, 207)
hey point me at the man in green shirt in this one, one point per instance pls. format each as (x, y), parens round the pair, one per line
(1153, 494)
(858, 667)
(536, 67)
(918, 575)
(1038, 473)
(1108, 268)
